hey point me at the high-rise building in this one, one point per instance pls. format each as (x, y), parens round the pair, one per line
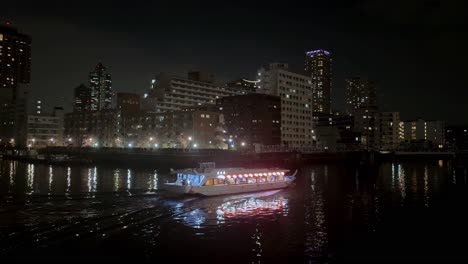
(100, 83)
(361, 102)
(15, 75)
(318, 66)
(295, 91)
(15, 60)
(82, 98)
(169, 93)
(360, 94)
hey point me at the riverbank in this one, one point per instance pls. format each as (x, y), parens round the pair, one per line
(181, 158)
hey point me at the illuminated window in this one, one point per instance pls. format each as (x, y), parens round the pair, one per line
(1, 37)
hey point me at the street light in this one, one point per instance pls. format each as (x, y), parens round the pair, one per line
(195, 145)
(156, 145)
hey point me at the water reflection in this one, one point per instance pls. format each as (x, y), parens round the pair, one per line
(30, 175)
(314, 217)
(51, 178)
(197, 213)
(330, 208)
(116, 180)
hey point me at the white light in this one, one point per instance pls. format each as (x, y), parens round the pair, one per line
(232, 145)
(33, 140)
(153, 81)
(156, 145)
(195, 145)
(230, 140)
(130, 145)
(151, 138)
(96, 144)
(69, 139)
(190, 138)
(51, 140)
(243, 144)
(145, 95)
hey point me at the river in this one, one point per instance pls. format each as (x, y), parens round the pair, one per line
(335, 212)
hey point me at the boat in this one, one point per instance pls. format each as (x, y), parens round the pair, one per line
(210, 181)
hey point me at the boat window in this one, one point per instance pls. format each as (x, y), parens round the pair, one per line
(209, 182)
(221, 181)
(251, 180)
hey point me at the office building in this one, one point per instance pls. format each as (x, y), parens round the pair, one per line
(318, 66)
(252, 119)
(100, 84)
(295, 91)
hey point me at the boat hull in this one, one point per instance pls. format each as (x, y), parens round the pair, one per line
(214, 190)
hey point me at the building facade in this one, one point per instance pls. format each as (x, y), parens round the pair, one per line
(82, 98)
(248, 86)
(100, 84)
(318, 65)
(172, 93)
(456, 137)
(15, 76)
(128, 102)
(15, 60)
(252, 119)
(360, 94)
(390, 130)
(361, 102)
(45, 130)
(336, 132)
(295, 91)
(432, 132)
(93, 128)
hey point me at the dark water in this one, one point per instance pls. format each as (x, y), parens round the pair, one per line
(393, 212)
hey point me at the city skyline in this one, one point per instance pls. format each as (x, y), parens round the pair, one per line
(397, 58)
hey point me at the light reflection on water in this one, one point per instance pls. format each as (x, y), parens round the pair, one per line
(125, 205)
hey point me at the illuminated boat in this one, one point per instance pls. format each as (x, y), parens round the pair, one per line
(209, 180)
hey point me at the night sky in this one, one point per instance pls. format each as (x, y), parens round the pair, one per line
(415, 50)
